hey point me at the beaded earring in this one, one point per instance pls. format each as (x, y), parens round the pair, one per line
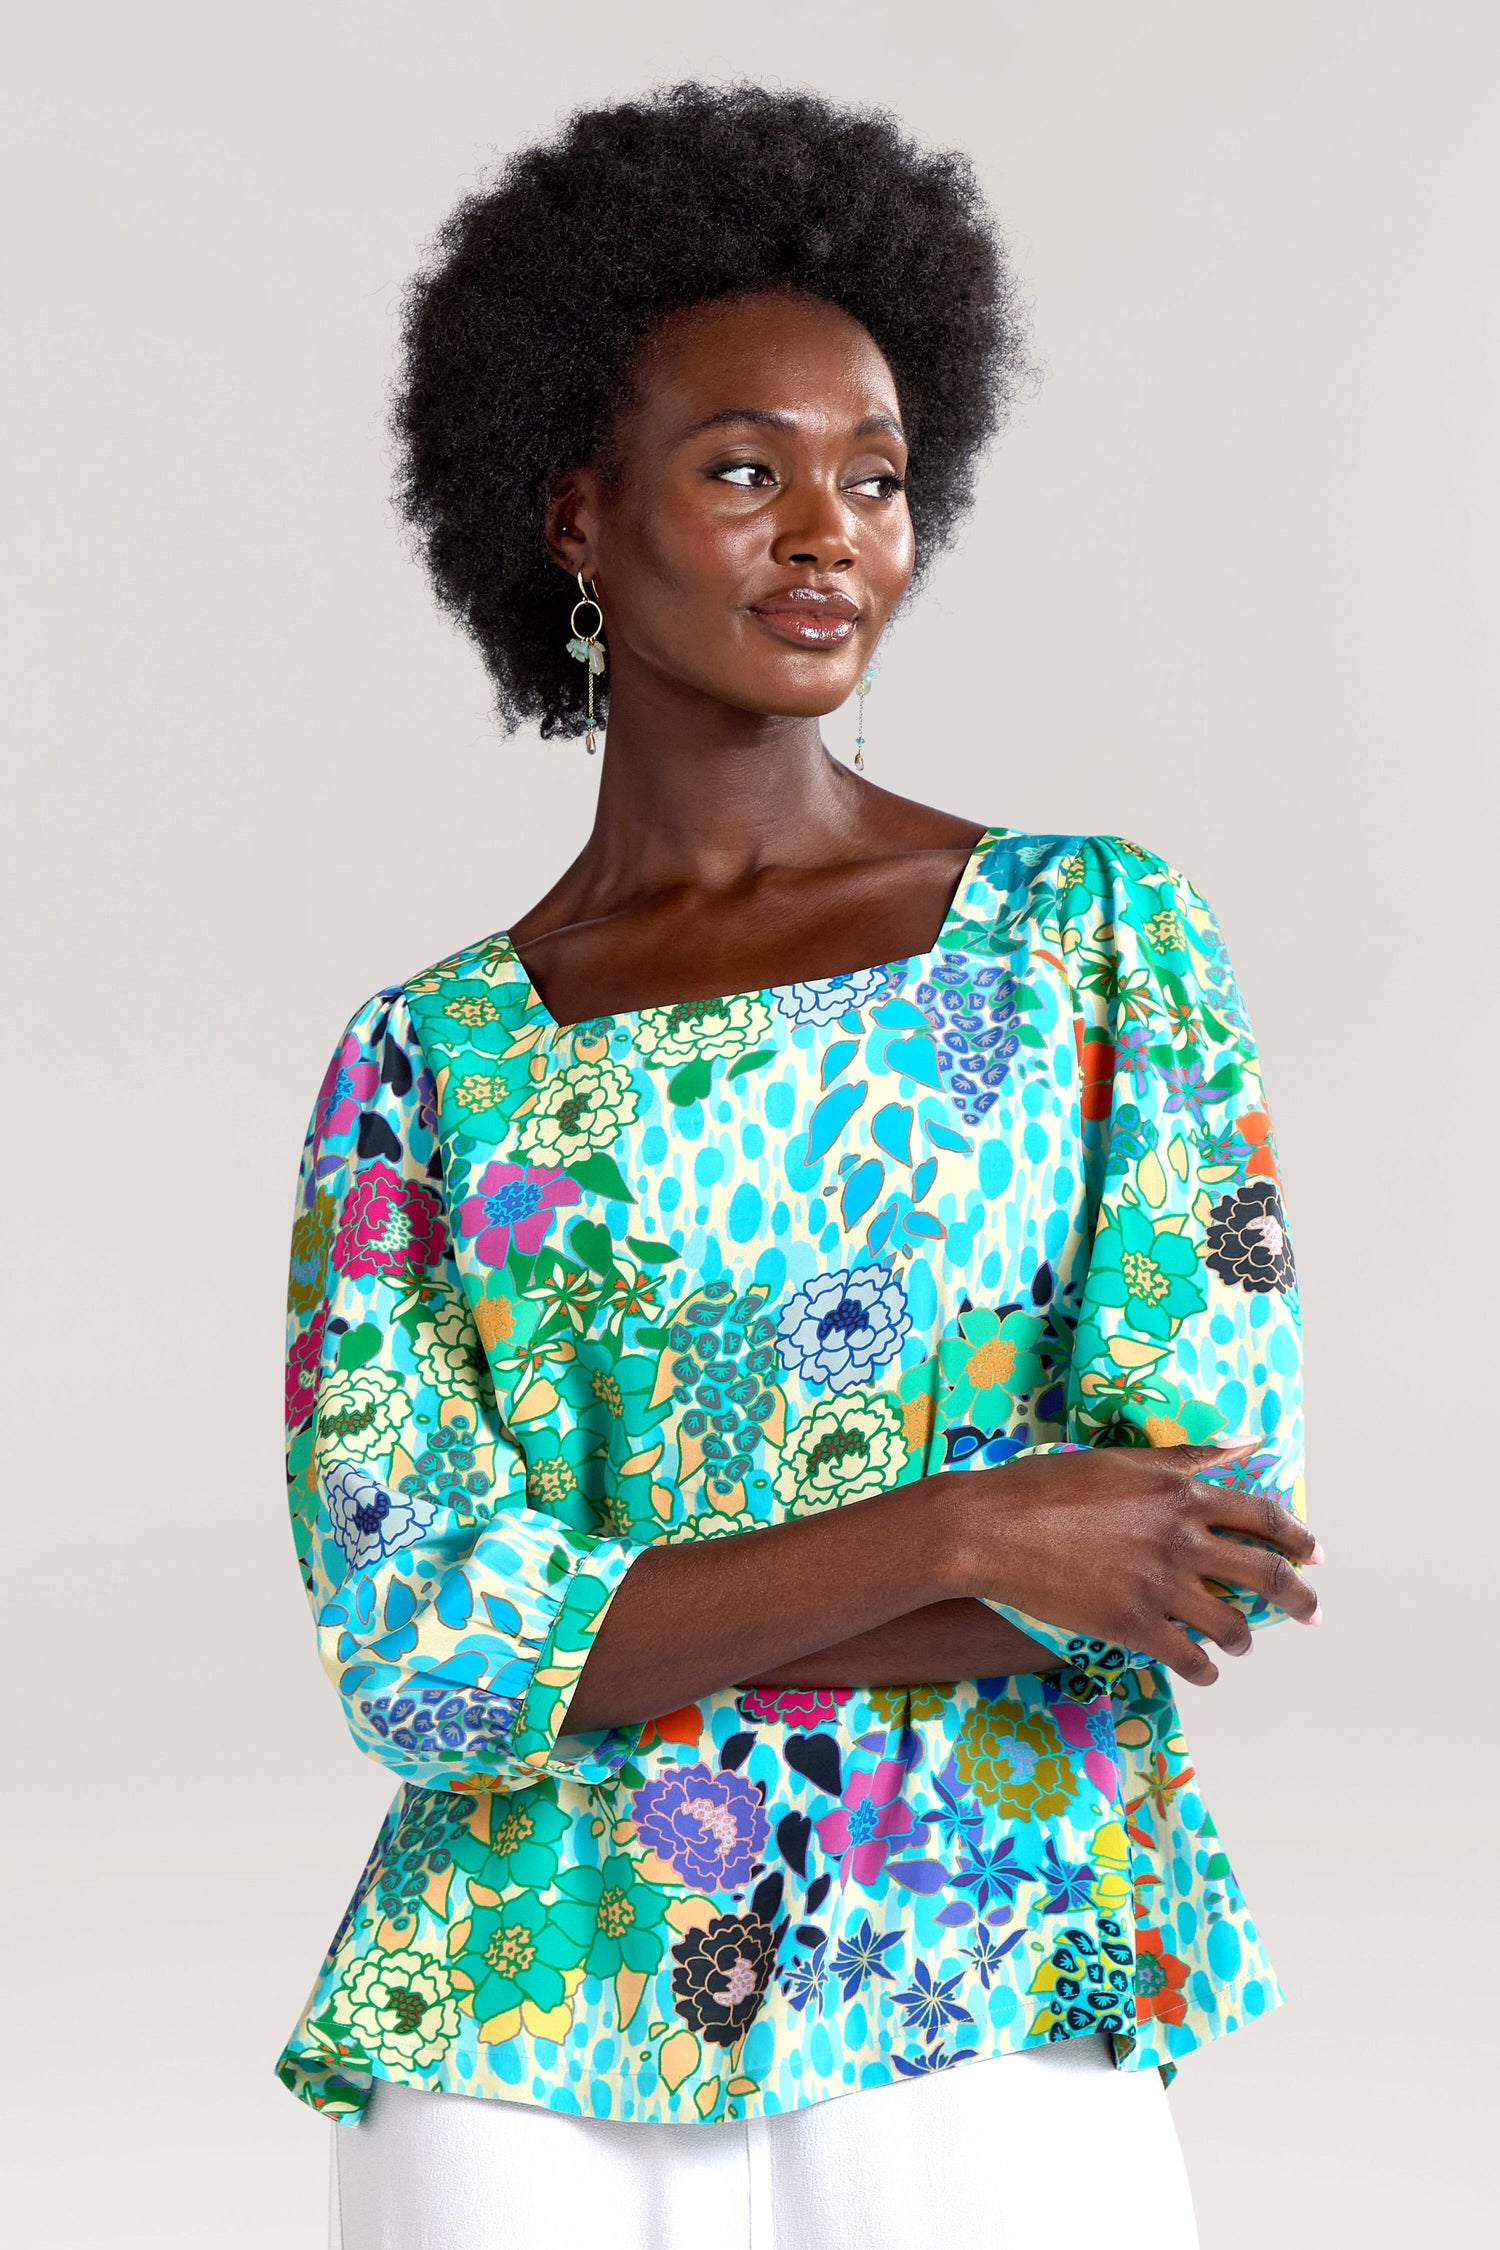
(862, 688)
(587, 648)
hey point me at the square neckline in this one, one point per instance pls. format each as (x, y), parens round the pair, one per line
(769, 991)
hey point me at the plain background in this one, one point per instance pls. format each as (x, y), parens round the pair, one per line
(1228, 587)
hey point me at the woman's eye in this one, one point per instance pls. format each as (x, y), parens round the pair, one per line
(748, 475)
(882, 487)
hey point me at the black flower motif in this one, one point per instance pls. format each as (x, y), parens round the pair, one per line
(1247, 1239)
(721, 1976)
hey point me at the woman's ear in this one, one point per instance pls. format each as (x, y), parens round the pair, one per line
(569, 522)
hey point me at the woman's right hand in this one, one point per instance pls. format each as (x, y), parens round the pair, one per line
(1118, 1542)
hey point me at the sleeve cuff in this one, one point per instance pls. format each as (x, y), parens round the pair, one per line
(1090, 1667)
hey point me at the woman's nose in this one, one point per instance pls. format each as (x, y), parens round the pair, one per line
(816, 530)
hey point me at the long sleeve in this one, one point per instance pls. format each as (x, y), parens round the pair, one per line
(453, 1616)
(1188, 1331)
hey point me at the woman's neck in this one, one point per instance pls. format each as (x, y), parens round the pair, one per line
(697, 794)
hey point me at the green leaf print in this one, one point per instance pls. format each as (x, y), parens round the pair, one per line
(593, 1244)
(601, 1175)
(692, 1082)
(360, 1345)
(742, 1063)
(652, 1253)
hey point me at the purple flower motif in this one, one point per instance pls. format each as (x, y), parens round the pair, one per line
(1132, 1044)
(710, 1828)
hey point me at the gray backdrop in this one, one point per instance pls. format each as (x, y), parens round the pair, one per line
(1228, 588)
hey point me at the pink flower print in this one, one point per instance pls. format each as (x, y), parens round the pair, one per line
(804, 1707)
(304, 1364)
(514, 1203)
(347, 1086)
(388, 1225)
(1090, 1727)
(869, 1820)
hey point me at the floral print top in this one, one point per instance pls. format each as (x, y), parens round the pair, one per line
(558, 1294)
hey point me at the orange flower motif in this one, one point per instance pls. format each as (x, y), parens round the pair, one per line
(1096, 1056)
(1159, 1979)
(1254, 1126)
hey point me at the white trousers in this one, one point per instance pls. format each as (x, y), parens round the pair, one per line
(1017, 2152)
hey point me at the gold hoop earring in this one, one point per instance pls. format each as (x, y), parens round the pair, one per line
(587, 648)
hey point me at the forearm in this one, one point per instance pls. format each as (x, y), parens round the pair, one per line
(688, 1620)
(954, 1640)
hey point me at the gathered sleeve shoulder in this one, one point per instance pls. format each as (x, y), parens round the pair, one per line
(453, 1616)
(1188, 1330)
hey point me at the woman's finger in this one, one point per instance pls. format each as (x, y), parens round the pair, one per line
(1228, 1507)
(1257, 1570)
(1170, 1645)
(1194, 1459)
(1217, 1620)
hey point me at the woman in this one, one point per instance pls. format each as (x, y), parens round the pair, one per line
(826, 1248)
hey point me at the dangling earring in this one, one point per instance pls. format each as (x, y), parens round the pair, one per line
(865, 683)
(588, 649)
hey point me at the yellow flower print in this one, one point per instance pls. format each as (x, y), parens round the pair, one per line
(361, 1413)
(1164, 931)
(845, 1449)
(312, 1239)
(578, 1111)
(668, 1038)
(401, 2007)
(1015, 1760)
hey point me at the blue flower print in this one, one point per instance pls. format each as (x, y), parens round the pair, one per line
(989, 1950)
(973, 1010)
(1070, 1884)
(825, 999)
(369, 1522)
(921, 2065)
(445, 1724)
(929, 2005)
(805, 1980)
(992, 1871)
(843, 1326)
(752, 1308)
(861, 1955)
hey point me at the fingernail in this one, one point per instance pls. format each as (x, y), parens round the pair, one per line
(1317, 1554)
(1317, 1615)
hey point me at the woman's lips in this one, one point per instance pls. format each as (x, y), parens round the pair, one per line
(808, 618)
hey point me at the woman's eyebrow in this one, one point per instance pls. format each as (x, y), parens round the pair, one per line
(874, 425)
(757, 414)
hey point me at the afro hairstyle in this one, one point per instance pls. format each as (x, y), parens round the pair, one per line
(519, 333)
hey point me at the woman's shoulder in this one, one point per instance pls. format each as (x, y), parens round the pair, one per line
(1022, 875)
(451, 1000)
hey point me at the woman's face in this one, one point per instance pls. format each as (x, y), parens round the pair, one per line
(754, 538)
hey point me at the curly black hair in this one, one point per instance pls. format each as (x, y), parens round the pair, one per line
(520, 332)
